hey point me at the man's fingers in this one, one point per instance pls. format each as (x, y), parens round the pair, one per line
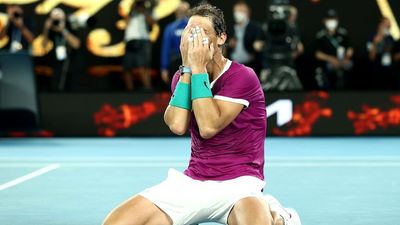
(196, 36)
(198, 31)
(203, 33)
(186, 32)
(185, 35)
(192, 39)
(205, 41)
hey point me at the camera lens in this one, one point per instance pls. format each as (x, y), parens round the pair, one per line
(56, 23)
(140, 3)
(17, 15)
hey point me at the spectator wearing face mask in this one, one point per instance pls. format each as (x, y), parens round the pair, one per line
(245, 45)
(380, 48)
(334, 53)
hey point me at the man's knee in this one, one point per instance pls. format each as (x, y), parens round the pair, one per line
(250, 211)
(137, 211)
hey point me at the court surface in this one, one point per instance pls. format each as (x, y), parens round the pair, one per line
(330, 181)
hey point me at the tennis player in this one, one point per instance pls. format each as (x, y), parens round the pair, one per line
(222, 104)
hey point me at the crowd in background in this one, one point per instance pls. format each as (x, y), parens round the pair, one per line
(272, 49)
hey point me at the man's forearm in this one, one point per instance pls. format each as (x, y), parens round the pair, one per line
(177, 119)
(45, 40)
(3, 31)
(28, 35)
(73, 41)
(207, 114)
(324, 57)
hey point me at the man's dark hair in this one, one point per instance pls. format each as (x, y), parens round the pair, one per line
(215, 14)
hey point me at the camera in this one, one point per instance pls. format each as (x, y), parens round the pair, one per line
(278, 32)
(56, 23)
(147, 5)
(142, 3)
(17, 15)
(279, 72)
(278, 15)
(279, 9)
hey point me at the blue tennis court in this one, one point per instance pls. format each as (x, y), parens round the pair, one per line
(330, 181)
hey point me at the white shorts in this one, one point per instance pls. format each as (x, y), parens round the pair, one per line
(189, 201)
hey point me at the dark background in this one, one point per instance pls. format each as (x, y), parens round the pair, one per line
(74, 114)
(359, 17)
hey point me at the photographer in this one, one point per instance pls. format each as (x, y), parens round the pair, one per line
(380, 48)
(18, 29)
(138, 45)
(65, 44)
(334, 53)
(283, 47)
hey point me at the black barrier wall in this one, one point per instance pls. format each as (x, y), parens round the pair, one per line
(296, 114)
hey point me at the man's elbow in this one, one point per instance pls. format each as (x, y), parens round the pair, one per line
(208, 132)
(178, 129)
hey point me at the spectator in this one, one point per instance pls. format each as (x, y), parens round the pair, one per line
(380, 49)
(18, 29)
(170, 52)
(56, 30)
(138, 45)
(334, 52)
(245, 45)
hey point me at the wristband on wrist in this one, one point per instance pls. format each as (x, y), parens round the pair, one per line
(201, 86)
(181, 97)
(185, 69)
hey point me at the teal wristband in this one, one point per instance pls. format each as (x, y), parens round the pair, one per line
(201, 86)
(181, 96)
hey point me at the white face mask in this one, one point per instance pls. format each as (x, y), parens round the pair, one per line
(239, 17)
(331, 24)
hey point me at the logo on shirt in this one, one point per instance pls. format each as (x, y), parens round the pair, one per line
(206, 84)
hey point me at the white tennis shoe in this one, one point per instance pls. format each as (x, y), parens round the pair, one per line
(289, 215)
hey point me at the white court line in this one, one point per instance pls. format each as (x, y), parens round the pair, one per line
(184, 159)
(185, 164)
(29, 176)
